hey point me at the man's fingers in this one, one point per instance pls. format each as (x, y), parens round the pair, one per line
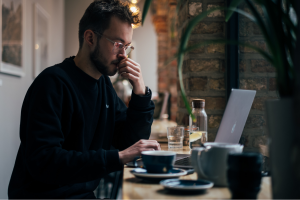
(126, 65)
(132, 61)
(129, 70)
(130, 77)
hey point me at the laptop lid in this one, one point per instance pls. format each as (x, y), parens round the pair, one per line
(235, 116)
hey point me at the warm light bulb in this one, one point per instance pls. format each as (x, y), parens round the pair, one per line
(133, 9)
(134, 1)
(37, 46)
(134, 26)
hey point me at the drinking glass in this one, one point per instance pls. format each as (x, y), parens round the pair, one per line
(175, 137)
(197, 138)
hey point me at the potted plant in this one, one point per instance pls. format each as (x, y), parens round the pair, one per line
(280, 32)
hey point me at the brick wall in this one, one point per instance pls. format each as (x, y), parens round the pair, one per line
(164, 19)
(204, 68)
(204, 72)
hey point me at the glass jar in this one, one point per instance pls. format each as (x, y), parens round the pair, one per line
(198, 128)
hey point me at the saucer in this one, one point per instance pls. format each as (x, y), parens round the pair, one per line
(186, 185)
(143, 174)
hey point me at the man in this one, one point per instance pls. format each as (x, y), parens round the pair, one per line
(71, 115)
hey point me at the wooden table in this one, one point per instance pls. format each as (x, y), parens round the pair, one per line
(134, 188)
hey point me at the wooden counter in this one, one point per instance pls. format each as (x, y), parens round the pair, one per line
(134, 188)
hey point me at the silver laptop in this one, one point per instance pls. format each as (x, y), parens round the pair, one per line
(232, 124)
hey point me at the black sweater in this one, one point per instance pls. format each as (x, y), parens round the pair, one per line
(69, 121)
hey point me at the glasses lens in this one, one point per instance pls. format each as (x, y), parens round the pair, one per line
(116, 48)
(128, 50)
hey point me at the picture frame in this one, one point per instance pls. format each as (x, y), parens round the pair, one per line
(11, 37)
(40, 39)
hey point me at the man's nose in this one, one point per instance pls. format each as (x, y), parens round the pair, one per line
(122, 52)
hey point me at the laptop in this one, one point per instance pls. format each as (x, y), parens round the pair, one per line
(232, 124)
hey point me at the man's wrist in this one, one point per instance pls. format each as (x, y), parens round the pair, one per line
(147, 90)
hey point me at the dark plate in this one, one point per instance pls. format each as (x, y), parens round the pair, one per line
(186, 185)
(143, 174)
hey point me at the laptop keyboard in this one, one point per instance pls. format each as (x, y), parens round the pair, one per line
(184, 161)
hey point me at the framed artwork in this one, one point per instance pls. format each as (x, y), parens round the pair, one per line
(11, 37)
(41, 39)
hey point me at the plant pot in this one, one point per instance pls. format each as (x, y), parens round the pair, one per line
(283, 148)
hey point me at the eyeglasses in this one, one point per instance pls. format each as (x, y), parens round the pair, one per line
(118, 47)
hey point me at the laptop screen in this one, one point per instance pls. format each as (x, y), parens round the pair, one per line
(235, 116)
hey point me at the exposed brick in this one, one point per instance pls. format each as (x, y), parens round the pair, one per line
(211, 136)
(198, 50)
(261, 66)
(255, 121)
(181, 103)
(258, 8)
(256, 30)
(197, 83)
(215, 103)
(259, 102)
(160, 22)
(216, 48)
(209, 28)
(182, 16)
(242, 65)
(182, 119)
(246, 28)
(272, 84)
(253, 83)
(207, 65)
(259, 44)
(185, 66)
(216, 84)
(260, 142)
(217, 13)
(195, 8)
(222, 67)
(214, 121)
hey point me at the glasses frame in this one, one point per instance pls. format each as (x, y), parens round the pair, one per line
(117, 45)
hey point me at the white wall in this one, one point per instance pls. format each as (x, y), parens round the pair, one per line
(145, 41)
(13, 89)
(74, 10)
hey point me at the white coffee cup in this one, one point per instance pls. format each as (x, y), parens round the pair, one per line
(210, 161)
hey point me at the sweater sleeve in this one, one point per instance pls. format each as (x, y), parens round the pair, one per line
(133, 123)
(42, 139)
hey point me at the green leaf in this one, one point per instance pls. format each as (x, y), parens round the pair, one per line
(145, 10)
(259, 21)
(180, 2)
(273, 13)
(234, 4)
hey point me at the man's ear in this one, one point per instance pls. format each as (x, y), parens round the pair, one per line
(90, 38)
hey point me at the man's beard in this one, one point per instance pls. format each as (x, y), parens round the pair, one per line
(101, 67)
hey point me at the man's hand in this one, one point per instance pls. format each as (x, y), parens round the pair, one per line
(131, 70)
(135, 150)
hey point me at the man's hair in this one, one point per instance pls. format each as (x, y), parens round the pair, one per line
(97, 16)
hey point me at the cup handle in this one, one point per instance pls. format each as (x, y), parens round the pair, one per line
(195, 159)
(134, 161)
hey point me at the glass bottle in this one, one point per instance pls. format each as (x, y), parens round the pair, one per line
(198, 128)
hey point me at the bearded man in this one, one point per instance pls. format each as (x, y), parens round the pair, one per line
(71, 116)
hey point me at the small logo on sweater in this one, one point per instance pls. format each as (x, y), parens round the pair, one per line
(107, 106)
